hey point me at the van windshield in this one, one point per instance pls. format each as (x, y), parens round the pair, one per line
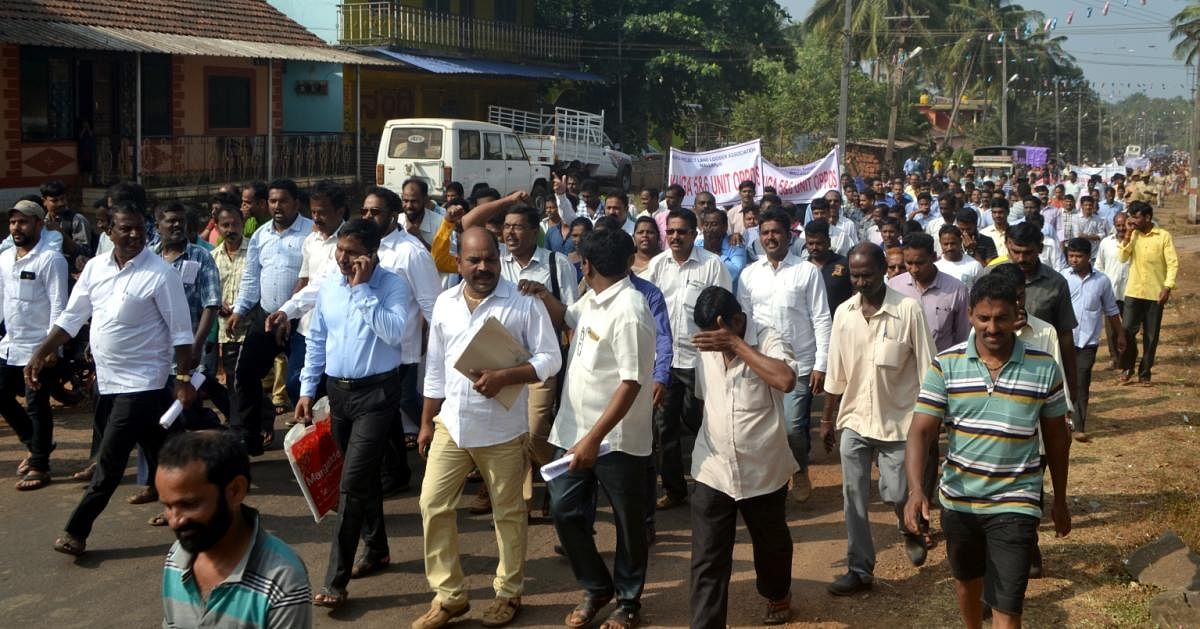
(415, 143)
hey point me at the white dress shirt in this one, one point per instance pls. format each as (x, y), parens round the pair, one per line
(742, 449)
(613, 342)
(681, 285)
(966, 270)
(538, 270)
(473, 420)
(401, 253)
(1108, 262)
(139, 315)
(790, 299)
(317, 264)
(34, 291)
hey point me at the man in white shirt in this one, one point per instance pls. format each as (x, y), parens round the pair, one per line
(954, 261)
(140, 320)
(877, 349)
(607, 398)
(1108, 262)
(463, 427)
(327, 202)
(842, 235)
(403, 254)
(33, 285)
(740, 462)
(617, 205)
(782, 292)
(681, 272)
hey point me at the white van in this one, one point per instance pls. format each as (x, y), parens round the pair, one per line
(442, 150)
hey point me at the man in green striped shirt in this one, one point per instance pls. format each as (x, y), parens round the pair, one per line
(995, 395)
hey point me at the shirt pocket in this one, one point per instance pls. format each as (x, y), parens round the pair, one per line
(26, 289)
(750, 393)
(891, 354)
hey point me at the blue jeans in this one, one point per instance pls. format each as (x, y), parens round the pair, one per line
(797, 410)
(572, 504)
(294, 365)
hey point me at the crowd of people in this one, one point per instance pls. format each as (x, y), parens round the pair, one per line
(915, 306)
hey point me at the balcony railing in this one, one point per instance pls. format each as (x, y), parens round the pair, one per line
(209, 159)
(389, 23)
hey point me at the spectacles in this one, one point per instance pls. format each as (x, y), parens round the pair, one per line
(678, 232)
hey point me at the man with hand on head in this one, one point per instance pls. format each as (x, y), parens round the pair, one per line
(354, 340)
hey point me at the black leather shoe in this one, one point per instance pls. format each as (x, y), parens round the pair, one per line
(914, 547)
(847, 584)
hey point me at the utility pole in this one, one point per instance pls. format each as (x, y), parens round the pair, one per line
(1193, 179)
(1079, 129)
(1057, 112)
(1037, 115)
(620, 70)
(1003, 91)
(1100, 130)
(844, 94)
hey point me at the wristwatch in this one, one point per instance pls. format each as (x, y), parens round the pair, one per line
(183, 377)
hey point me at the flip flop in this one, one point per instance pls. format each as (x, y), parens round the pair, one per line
(158, 520)
(329, 599)
(84, 475)
(34, 479)
(585, 612)
(23, 467)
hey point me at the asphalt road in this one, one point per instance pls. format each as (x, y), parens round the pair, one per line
(118, 582)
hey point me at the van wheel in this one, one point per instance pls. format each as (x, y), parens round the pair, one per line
(538, 196)
(626, 179)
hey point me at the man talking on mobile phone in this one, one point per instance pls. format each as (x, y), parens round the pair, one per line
(354, 340)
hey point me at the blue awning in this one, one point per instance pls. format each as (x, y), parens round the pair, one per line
(448, 65)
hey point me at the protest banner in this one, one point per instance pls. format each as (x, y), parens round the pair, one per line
(718, 171)
(802, 184)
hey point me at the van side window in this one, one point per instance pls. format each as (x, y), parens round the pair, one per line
(512, 147)
(491, 146)
(468, 145)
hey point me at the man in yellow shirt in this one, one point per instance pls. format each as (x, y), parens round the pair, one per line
(1153, 265)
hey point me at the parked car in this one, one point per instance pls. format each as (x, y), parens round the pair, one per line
(568, 139)
(441, 150)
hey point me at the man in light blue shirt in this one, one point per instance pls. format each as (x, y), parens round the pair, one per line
(1110, 206)
(354, 341)
(269, 279)
(1093, 300)
(714, 227)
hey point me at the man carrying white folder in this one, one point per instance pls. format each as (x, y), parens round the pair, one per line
(465, 426)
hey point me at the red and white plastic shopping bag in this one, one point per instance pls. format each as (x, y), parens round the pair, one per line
(316, 461)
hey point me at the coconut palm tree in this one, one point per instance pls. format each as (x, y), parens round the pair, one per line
(1186, 26)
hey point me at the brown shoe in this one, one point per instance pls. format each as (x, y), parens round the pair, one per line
(482, 503)
(501, 612)
(145, 496)
(439, 615)
(801, 487)
(1082, 437)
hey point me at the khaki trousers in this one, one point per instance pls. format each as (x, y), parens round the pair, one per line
(542, 397)
(504, 468)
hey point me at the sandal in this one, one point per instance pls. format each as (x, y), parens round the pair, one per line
(366, 567)
(329, 599)
(145, 496)
(85, 475)
(410, 441)
(778, 612)
(268, 439)
(501, 612)
(70, 545)
(158, 520)
(622, 618)
(23, 467)
(34, 479)
(585, 612)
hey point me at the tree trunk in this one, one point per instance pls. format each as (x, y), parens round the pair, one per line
(957, 99)
(889, 162)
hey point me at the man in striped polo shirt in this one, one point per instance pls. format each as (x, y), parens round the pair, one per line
(995, 395)
(225, 570)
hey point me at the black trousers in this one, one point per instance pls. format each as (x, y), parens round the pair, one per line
(679, 409)
(1110, 335)
(1146, 315)
(123, 420)
(714, 528)
(396, 470)
(255, 361)
(1085, 359)
(362, 416)
(32, 420)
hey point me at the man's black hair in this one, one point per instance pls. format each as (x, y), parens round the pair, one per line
(921, 241)
(260, 189)
(716, 209)
(531, 216)
(646, 219)
(777, 216)
(125, 207)
(817, 227)
(995, 286)
(422, 187)
(687, 216)
(457, 187)
(1081, 245)
(589, 185)
(582, 221)
(365, 231)
(608, 251)
(330, 191)
(1024, 234)
(485, 191)
(714, 302)
(223, 455)
(1140, 207)
(1011, 274)
(1034, 199)
(611, 222)
(819, 203)
(622, 196)
(389, 196)
(678, 189)
(286, 184)
(1000, 202)
(130, 192)
(950, 229)
(747, 183)
(225, 199)
(53, 188)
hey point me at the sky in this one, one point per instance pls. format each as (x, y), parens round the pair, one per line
(1129, 45)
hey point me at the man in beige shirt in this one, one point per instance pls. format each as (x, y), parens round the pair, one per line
(878, 350)
(741, 461)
